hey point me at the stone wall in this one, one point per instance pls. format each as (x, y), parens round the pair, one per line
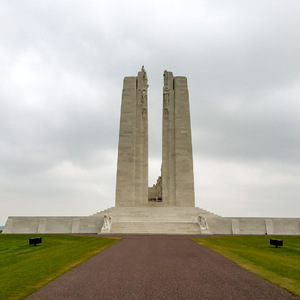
(53, 225)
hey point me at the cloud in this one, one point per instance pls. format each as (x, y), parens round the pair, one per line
(62, 68)
(232, 188)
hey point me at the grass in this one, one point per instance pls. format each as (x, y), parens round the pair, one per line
(26, 268)
(278, 265)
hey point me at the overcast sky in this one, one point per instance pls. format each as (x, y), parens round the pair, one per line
(61, 76)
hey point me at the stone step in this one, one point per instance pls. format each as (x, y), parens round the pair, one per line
(155, 213)
(155, 227)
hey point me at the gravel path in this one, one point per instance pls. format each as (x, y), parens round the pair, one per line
(159, 267)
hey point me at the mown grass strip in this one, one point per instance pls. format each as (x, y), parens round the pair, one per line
(254, 253)
(26, 268)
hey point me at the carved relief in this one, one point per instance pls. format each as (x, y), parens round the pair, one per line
(106, 223)
(144, 97)
(166, 78)
(142, 92)
(145, 78)
(144, 113)
(203, 223)
(166, 113)
(166, 96)
(166, 89)
(155, 192)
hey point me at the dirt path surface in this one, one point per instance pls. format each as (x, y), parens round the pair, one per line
(159, 267)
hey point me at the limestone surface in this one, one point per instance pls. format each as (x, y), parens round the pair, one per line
(177, 154)
(132, 169)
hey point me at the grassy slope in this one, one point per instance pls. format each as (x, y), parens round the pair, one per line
(24, 268)
(278, 265)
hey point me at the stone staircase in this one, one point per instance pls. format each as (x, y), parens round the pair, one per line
(156, 220)
(155, 227)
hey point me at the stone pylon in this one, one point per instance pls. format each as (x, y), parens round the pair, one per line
(177, 156)
(132, 171)
(175, 187)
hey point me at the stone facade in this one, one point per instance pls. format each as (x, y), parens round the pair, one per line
(132, 170)
(40, 225)
(177, 155)
(175, 187)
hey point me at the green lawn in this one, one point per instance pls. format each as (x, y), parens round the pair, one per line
(25, 268)
(254, 253)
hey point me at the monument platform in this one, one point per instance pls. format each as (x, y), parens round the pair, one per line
(191, 220)
(156, 220)
(152, 220)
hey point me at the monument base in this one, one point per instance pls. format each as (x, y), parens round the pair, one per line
(192, 220)
(153, 220)
(156, 220)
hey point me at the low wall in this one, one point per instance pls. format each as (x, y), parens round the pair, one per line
(279, 226)
(53, 225)
(93, 224)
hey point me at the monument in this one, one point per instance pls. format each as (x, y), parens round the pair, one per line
(168, 207)
(175, 187)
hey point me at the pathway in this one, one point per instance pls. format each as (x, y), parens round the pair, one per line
(159, 267)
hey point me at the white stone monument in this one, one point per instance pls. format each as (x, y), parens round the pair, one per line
(168, 207)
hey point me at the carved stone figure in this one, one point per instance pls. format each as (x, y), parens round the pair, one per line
(107, 223)
(144, 97)
(166, 77)
(166, 113)
(145, 78)
(144, 113)
(166, 96)
(203, 223)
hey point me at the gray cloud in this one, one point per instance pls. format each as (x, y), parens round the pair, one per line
(62, 67)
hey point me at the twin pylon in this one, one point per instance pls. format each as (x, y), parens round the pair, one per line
(176, 185)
